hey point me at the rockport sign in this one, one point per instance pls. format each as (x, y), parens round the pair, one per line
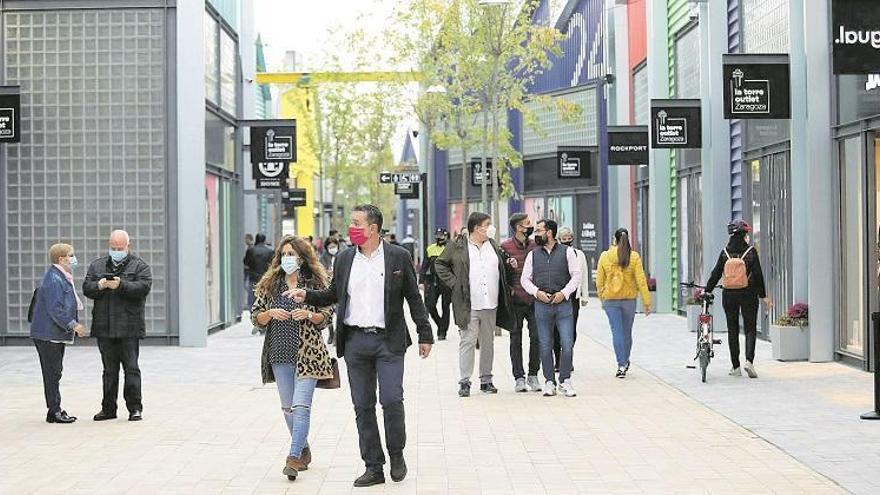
(856, 36)
(628, 145)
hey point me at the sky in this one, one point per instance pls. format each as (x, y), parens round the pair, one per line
(303, 25)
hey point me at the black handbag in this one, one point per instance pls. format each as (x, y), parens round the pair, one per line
(335, 381)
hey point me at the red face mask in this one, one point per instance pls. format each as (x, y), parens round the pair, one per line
(358, 235)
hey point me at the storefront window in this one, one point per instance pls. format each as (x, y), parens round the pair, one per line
(228, 64)
(855, 101)
(853, 246)
(219, 142)
(212, 61)
(212, 248)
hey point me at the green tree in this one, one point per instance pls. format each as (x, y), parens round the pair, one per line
(487, 57)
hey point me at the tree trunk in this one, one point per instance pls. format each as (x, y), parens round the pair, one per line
(484, 192)
(495, 170)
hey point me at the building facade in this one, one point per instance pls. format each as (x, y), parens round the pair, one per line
(769, 172)
(111, 106)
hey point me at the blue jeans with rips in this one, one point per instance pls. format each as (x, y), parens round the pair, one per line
(296, 402)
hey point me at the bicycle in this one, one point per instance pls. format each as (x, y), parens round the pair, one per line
(705, 334)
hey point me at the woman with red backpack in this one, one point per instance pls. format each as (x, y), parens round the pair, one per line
(739, 271)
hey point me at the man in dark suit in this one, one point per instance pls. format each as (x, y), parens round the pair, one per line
(370, 282)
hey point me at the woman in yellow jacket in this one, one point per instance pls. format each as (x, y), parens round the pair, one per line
(619, 280)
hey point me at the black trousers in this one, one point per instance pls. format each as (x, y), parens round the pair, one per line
(747, 304)
(370, 361)
(576, 307)
(51, 359)
(524, 312)
(124, 352)
(433, 292)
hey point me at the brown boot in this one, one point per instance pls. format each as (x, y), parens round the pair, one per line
(306, 456)
(297, 463)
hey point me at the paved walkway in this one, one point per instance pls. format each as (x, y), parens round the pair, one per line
(211, 427)
(809, 410)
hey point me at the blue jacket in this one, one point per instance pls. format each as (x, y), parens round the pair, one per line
(55, 308)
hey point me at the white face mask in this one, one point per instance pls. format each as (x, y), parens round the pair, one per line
(289, 264)
(333, 250)
(490, 232)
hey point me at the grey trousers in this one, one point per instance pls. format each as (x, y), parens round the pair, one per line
(482, 327)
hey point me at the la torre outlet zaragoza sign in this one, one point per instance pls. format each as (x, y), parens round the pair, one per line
(756, 86)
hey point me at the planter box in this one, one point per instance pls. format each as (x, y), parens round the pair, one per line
(693, 316)
(790, 343)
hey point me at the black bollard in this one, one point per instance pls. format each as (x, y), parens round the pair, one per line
(875, 414)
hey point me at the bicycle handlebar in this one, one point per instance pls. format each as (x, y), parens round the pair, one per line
(693, 285)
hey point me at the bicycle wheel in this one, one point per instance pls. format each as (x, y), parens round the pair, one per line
(704, 362)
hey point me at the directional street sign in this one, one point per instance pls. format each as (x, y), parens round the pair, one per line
(400, 178)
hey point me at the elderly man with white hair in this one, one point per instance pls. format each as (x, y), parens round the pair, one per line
(119, 283)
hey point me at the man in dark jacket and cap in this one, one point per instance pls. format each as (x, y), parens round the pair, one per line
(256, 261)
(119, 284)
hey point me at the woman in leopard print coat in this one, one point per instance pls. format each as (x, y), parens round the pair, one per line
(294, 355)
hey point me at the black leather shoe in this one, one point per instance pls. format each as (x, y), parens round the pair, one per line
(488, 388)
(369, 478)
(135, 416)
(60, 417)
(464, 390)
(104, 416)
(442, 336)
(398, 468)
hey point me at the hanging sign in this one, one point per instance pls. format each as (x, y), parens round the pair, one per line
(855, 29)
(273, 143)
(407, 190)
(293, 197)
(676, 124)
(628, 145)
(400, 178)
(10, 114)
(756, 86)
(573, 163)
(478, 175)
(271, 175)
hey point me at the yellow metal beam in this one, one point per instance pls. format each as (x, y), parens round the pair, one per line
(310, 78)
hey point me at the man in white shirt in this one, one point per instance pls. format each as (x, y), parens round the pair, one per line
(369, 284)
(477, 273)
(551, 275)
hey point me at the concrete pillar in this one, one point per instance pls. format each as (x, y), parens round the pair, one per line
(659, 173)
(620, 179)
(716, 139)
(820, 165)
(192, 308)
(800, 198)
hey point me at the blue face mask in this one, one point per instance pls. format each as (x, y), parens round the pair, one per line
(117, 256)
(289, 264)
(73, 262)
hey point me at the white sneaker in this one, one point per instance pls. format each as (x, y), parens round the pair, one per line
(533, 383)
(750, 370)
(549, 389)
(568, 389)
(520, 385)
(735, 372)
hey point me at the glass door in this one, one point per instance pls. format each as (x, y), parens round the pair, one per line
(853, 242)
(771, 223)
